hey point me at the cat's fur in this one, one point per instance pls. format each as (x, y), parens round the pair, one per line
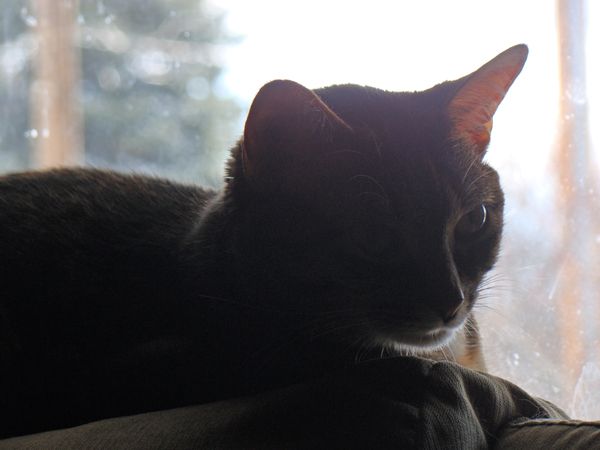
(348, 228)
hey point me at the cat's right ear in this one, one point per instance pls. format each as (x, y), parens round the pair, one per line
(472, 108)
(287, 126)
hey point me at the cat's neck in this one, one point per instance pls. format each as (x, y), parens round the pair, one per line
(208, 249)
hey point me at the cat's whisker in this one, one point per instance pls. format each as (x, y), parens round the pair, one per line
(498, 278)
(369, 178)
(448, 349)
(493, 283)
(491, 297)
(376, 145)
(354, 343)
(486, 301)
(473, 161)
(360, 352)
(498, 312)
(494, 277)
(495, 293)
(381, 355)
(374, 194)
(473, 182)
(529, 267)
(471, 329)
(343, 151)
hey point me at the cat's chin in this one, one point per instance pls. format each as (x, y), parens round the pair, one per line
(418, 342)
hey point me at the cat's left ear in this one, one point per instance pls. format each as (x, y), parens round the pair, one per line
(287, 128)
(473, 106)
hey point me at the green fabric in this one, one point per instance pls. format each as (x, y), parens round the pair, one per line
(400, 403)
(545, 434)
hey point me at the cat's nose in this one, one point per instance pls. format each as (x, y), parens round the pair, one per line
(450, 314)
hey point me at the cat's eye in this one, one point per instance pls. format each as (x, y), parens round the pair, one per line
(472, 222)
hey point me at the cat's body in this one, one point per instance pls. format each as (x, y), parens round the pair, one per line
(354, 223)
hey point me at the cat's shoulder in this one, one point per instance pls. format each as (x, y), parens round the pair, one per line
(78, 198)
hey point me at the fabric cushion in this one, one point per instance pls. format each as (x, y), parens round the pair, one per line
(545, 434)
(399, 403)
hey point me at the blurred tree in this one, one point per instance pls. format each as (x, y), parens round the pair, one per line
(15, 51)
(54, 91)
(577, 186)
(149, 86)
(150, 78)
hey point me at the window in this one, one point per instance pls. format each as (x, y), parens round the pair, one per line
(128, 85)
(162, 87)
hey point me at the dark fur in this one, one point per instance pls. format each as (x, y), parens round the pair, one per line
(122, 294)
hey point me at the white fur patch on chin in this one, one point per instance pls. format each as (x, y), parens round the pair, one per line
(429, 342)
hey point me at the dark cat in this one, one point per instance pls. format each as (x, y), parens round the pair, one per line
(354, 223)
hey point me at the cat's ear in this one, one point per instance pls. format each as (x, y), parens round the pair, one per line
(474, 104)
(286, 125)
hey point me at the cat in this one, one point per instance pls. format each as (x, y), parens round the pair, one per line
(354, 223)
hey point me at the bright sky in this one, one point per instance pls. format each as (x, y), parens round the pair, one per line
(400, 45)
(409, 45)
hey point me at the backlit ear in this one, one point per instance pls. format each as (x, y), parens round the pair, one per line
(286, 125)
(473, 106)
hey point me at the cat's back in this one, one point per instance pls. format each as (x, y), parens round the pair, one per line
(58, 201)
(71, 237)
(92, 288)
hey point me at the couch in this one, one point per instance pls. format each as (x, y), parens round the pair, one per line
(399, 403)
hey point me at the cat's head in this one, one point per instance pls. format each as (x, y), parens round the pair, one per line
(371, 211)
